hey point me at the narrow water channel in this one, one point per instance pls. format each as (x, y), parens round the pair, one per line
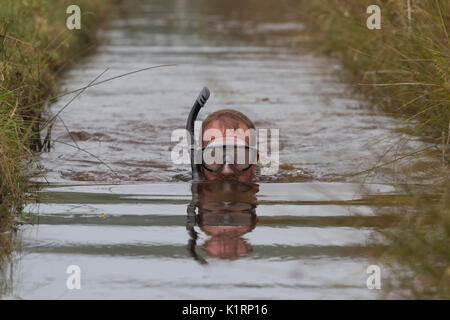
(301, 233)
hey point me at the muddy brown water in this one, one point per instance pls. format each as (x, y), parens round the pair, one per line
(301, 233)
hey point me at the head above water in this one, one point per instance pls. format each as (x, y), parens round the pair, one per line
(230, 125)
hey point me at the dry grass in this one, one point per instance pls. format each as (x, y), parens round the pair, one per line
(404, 67)
(35, 46)
(404, 70)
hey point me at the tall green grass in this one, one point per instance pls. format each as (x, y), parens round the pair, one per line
(404, 66)
(404, 70)
(420, 244)
(35, 45)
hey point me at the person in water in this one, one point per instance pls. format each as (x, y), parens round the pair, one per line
(228, 131)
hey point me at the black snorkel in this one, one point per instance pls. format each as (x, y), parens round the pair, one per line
(199, 103)
(196, 175)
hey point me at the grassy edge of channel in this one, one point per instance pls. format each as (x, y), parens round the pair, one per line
(404, 71)
(35, 47)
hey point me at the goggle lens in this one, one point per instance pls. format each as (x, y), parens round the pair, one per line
(241, 158)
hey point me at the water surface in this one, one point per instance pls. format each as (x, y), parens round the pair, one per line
(305, 232)
(298, 240)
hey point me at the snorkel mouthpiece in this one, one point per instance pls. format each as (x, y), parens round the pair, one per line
(199, 103)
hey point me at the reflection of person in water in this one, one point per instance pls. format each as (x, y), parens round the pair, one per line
(226, 211)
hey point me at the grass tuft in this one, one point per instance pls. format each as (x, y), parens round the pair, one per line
(404, 70)
(35, 46)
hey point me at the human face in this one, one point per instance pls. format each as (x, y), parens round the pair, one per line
(215, 134)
